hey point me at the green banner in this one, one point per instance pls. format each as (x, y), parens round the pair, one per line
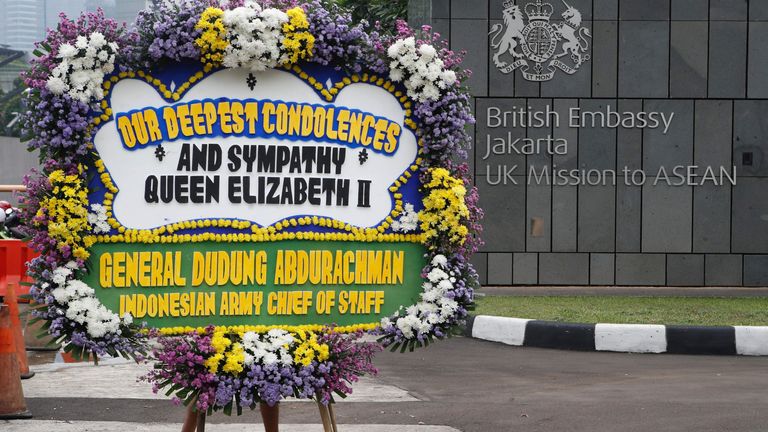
(289, 282)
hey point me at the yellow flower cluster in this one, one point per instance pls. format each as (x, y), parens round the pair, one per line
(444, 207)
(65, 213)
(229, 356)
(231, 353)
(212, 41)
(147, 237)
(309, 349)
(297, 42)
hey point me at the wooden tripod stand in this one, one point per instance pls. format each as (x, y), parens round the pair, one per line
(195, 421)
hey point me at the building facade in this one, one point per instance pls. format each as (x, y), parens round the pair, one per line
(22, 23)
(648, 118)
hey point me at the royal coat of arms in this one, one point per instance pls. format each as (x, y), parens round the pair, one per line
(539, 40)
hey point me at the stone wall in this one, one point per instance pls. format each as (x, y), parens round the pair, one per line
(704, 60)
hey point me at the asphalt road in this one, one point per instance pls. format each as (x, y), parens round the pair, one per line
(475, 385)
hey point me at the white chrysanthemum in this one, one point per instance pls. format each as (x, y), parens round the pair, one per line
(419, 68)
(82, 68)
(427, 51)
(81, 42)
(408, 221)
(267, 349)
(270, 358)
(254, 36)
(97, 40)
(56, 85)
(436, 274)
(81, 306)
(97, 218)
(66, 51)
(439, 260)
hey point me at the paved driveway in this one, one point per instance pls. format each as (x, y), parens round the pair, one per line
(474, 385)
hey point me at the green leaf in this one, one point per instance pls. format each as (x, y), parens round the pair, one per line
(237, 404)
(191, 398)
(172, 389)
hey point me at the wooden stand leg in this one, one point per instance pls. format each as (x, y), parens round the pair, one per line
(333, 417)
(270, 415)
(190, 421)
(325, 416)
(201, 421)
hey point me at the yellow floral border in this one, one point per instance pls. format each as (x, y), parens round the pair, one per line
(251, 232)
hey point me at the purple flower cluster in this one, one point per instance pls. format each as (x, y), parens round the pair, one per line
(167, 31)
(341, 43)
(474, 239)
(57, 126)
(180, 365)
(350, 357)
(442, 128)
(270, 384)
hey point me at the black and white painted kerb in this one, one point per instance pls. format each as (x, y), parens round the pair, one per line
(634, 338)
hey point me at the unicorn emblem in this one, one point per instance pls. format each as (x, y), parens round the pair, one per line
(575, 36)
(532, 44)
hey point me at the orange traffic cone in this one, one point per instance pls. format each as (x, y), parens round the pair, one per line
(12, 404)
(21, 350)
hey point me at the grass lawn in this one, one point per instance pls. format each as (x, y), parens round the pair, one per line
(630, 310)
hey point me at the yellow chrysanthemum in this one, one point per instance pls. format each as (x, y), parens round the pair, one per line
(234, 360)
(212, 362)
(444, 207)
(64, 213)
(298, 42)
(212, 41)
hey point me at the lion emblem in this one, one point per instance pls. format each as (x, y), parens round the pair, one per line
(511, 32)
(533, 44)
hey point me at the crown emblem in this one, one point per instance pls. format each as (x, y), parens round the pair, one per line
(539, 11)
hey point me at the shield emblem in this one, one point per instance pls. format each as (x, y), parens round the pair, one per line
(540, 42)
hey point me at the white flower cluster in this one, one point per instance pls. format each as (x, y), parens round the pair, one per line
(255, 37)
(81, 306)
(434, 308)
(419, 68)
(97, 218)
(408, 221)
(267, 349)
(83, 66)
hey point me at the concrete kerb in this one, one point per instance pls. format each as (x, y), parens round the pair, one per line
(632, 338)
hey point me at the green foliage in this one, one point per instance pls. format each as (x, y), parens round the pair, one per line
(383, 11)
(630, 310)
